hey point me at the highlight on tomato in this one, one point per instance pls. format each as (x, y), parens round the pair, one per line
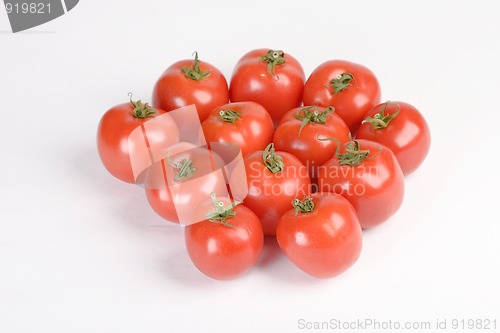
(400, 127)
(272, 78)
(368, 175)
(321, 234)
(189, 82)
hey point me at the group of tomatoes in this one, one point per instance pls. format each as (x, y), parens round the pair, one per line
(323, 158)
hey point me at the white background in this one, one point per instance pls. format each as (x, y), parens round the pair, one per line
(82, 252)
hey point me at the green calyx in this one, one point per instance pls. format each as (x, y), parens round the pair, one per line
(141, 110)
(341, 82)
(381, 120)
(305, 206)
(220, 214)
(353, 155)
(229, 116)
(185, 169)
(272, 161)
(273, 58)
(195, 73)
(311, 115)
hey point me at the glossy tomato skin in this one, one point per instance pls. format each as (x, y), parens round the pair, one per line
(325, 242)
(407, 135)
(251, 81)
(354, 101)
(307, 148)
(375, 187)
(269, 194)
(161, 201)
(252, 131)
(162, 174)
(113, 133)
(225, 252)
(174, 89)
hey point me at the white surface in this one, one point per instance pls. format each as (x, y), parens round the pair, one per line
(82, 252)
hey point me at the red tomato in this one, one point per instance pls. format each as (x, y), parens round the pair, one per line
(369, 176)
(114, 130)
(351, 88)
(227, 244)
(246, 124)
(186, 165)
(191, 82)
(321, 235)
(271, 78)
(402, 128)
(298, 134)
(273, 180)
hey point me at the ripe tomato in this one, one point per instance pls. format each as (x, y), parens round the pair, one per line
(116, 125)
(273, 179)
(321, 235)
(298, 134)
(246, 124)
(271, 78)
(402, 128)
(189, 171)
(228, 243)
(351, 88)
(189, 82)
(368, 175)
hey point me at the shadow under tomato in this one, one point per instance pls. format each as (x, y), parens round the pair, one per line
(276, 265)
(271, 252)
(178, 266)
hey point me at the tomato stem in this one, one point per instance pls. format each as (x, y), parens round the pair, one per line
(229, 116)
(195, 73)
(353, 155)
(311, 115)
(341, 82)
(272, 161)
(381, 120)
(185, 169)
(220, 214)
(141, 110)
(306, 206)
(273, 58)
